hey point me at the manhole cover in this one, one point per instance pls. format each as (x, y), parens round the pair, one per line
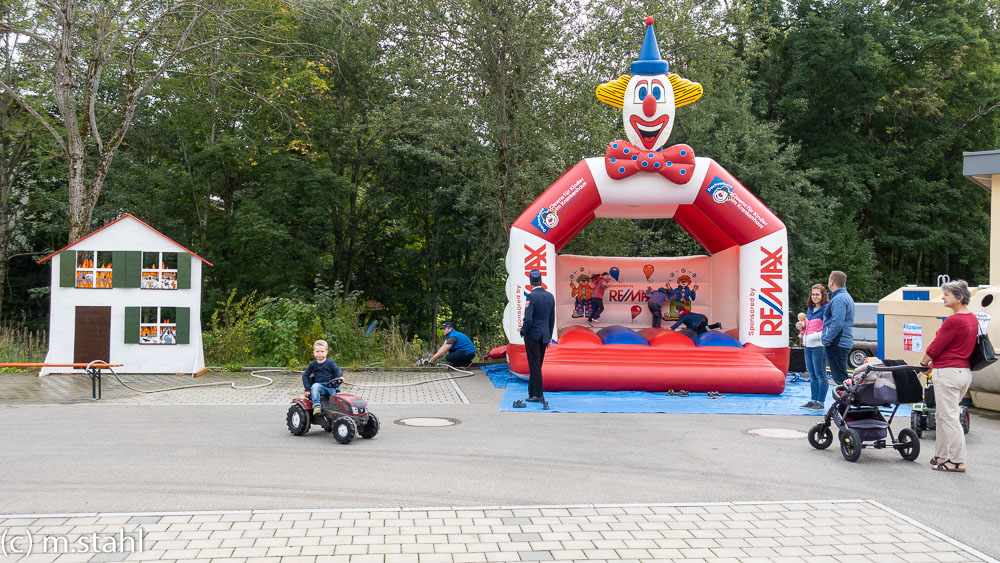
(781, 433)
(427, 421)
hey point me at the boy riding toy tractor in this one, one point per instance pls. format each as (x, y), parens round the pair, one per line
(343, 414)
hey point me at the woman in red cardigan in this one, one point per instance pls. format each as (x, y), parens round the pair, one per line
(948, 354)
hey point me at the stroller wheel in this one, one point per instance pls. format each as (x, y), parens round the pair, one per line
(908, 445)
(915, 424)
(850, 444)
(963, 417)
(820, 436)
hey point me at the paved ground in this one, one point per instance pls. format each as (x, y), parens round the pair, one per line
(848, 531)
(381, 387)
(115, 457)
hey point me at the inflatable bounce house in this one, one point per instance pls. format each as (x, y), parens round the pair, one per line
(742, 283)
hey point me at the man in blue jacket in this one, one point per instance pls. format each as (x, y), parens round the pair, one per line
(459, 348)
(539, 321)
(656, 299)
(838, 326)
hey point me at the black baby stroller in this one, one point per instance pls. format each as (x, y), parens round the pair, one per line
(859, 410)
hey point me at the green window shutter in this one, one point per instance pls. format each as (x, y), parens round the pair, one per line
(118, 259)
(183, 325)
(67, 268)
(183, 270)
(133, 269)
(131, 325)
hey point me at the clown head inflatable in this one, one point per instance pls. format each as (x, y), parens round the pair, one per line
(649, 97)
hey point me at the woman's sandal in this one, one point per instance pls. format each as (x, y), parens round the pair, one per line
(950, 466)
(937, 460)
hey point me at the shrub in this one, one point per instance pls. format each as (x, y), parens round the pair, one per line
(342, 324)
(228, 340)
(394, 349)
(283, 331)
(22, 345)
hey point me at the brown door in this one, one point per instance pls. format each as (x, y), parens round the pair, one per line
(92, 340)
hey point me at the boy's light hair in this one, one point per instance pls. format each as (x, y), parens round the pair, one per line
(321, 343)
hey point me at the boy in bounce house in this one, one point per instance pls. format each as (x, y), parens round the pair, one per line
(639, 178)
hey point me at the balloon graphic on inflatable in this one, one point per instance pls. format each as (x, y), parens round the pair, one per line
(614, 273)
(636, 311)
(648, 269)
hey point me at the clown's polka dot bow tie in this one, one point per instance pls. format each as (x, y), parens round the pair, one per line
(674, 163)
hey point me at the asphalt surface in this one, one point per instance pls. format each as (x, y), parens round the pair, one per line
(108, 458)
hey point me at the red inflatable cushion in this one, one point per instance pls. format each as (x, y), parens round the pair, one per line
(665, 338)
(579, 336)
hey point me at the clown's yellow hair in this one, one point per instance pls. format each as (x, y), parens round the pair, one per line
(685, 91)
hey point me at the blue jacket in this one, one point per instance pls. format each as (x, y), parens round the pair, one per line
(321, 373)
(539, 315)
(658, 296)
(462, 343)
(838, 320)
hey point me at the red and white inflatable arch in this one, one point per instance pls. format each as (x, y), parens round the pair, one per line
(743, 283)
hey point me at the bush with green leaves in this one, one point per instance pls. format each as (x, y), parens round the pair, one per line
(283, 331)
(275, 331)
(228, 340)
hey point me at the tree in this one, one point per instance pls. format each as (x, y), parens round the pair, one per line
(883, 98)
(15, 146)
(94, 63)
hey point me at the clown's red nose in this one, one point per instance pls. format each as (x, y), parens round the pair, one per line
(649, 105)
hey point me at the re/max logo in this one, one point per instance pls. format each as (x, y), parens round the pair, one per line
(536, 259)
(772, 317)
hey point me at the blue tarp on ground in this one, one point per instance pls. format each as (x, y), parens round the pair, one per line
(796, 393)
(499, 375)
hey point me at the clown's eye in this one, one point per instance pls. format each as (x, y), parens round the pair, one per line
(657, 93)
(641, 90)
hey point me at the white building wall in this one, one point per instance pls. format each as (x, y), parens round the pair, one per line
(126, 234)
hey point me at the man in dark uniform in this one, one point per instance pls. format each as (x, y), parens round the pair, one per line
(539, 321)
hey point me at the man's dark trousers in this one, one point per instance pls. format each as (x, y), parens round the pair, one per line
(460, 359)
(657, 312)
(837, 357)
(535, 350)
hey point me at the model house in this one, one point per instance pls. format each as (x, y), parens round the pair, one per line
(126, 294)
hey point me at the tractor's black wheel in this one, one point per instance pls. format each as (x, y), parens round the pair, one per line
(820, 436)
(915, 424)
(369, 429)
(850, 444)
(344, 430)
(298, 420)
(909, 444)
(963, 417)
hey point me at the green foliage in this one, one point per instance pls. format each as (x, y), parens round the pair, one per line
(283, 331)
(342, 325)
(20, 345)
(228, 340)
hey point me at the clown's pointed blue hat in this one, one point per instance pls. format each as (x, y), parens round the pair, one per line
(649, 61)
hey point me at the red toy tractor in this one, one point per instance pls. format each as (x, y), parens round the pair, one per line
(344, 415)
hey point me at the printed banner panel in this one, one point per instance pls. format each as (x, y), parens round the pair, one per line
(687, 279)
